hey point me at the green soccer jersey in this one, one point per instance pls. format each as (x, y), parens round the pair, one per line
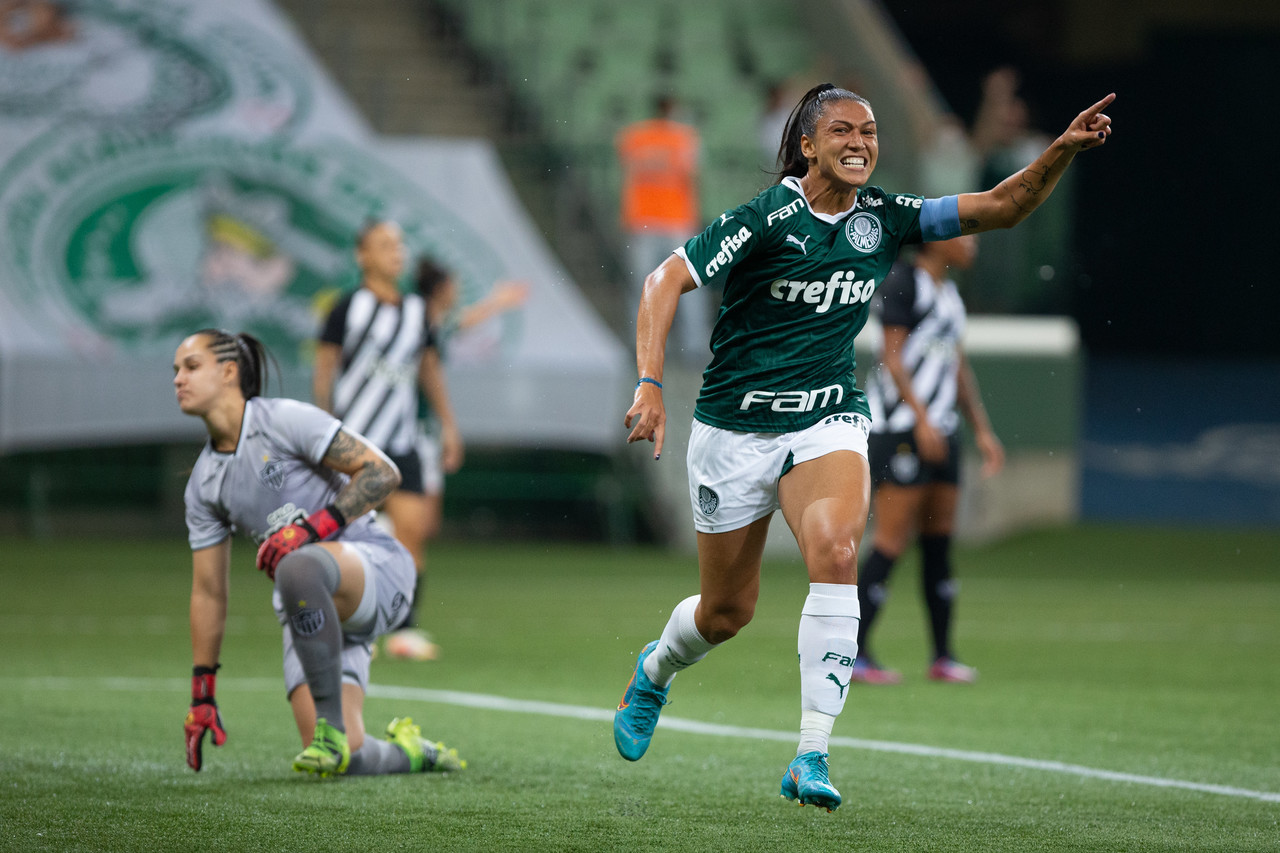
(796, 290)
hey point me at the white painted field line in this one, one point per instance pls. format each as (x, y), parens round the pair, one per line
(582, 712)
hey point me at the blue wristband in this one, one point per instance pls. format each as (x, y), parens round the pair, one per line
(644, 379)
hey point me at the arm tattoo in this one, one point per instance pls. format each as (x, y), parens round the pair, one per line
(343, 450)
(369, 485)
(1031, 183)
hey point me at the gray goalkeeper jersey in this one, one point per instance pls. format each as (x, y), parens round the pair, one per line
(274, 477)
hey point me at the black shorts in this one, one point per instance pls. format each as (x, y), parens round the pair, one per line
(410, 466)
(894, 459)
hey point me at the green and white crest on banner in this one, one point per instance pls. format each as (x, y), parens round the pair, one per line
(141, 239)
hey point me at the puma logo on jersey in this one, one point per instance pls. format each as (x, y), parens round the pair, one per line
(840, 289)
(791, 238)
(725, 217)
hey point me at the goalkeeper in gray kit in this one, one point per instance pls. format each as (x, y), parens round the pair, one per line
(293, 479)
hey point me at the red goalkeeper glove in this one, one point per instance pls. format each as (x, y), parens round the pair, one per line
(319, 525)
(203, 716)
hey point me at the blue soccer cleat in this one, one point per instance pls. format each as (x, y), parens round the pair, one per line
(806, 782)
(638, 711)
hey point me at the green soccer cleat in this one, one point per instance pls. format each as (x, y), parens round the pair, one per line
(806, 782)
(328, 753)
(424, 755)
(637, 714)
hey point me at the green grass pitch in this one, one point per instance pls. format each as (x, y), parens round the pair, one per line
(1149, 653)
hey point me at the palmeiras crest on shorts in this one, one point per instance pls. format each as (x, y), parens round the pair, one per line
(272, 475)
(708, 500)
(307, 622)
(863, 232)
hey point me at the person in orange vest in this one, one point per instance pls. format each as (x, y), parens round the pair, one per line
(660, 162)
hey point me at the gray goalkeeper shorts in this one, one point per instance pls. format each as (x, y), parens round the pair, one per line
(389, 577)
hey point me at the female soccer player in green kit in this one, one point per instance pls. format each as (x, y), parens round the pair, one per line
(779, 423)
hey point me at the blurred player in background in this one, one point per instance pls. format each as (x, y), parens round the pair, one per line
(661, 159)
(301, 484)
(440, 290)
(375, 354)
(923, 377)
(32, 23)
(779, 422)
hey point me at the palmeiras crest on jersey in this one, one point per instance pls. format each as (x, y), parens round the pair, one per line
(272, 475)
(708, 500)
(864, 232)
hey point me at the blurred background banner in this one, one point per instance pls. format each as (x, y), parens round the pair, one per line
(171, 166)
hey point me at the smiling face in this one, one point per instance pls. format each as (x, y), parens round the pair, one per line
(844, 147)
(199, 379)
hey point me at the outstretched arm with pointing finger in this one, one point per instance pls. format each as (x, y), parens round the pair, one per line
(1013, 199)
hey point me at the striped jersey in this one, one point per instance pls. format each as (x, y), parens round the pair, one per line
(934, 316)
(274, 476)
(376, 390)
(797, 284)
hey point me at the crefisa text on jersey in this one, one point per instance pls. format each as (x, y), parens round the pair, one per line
(728, 246)
(823, 293)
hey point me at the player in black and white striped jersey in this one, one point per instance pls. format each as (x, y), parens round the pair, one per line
(376, 350)
(442, 291)
(922, 385)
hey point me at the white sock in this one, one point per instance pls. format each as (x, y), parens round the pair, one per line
(828, 645)
(815, 731)
(680, 646)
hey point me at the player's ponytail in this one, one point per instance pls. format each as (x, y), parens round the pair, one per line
(804, 122)
(249, 354)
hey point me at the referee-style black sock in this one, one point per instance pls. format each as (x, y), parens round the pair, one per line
(939, 590)
(873, 591)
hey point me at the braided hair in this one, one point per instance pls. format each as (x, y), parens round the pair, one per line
(804, 122)
(249, 354)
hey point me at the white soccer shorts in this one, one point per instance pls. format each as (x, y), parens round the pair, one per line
(733, 476)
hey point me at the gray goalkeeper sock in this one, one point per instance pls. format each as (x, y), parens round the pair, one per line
(377, 758)
(306, 580)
